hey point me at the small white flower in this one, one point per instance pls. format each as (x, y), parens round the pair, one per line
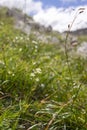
(38, 70)
(35, 50)
(13, 74)
(20, 49)
(10, 59)
(36, 47)
(21, 38)
(16, 38)
(9, 72)
(2, 63)
(76, 86)
(42, 85)
(2, 23)
(34, 63)
(34, 42)
(13, 40)
(32, 75)
(37, 79)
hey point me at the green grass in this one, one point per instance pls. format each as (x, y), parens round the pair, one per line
(37, 91)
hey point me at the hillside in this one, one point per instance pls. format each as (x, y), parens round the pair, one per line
(43, 83)
(27, 25)
(82, 31)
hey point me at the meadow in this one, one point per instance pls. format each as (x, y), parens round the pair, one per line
(38, 90)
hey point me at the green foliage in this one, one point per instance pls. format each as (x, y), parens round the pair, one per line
(36, 89)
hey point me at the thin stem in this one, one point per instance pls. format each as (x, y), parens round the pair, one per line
(66, 39)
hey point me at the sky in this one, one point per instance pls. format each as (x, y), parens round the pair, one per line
(62, 3)
(57, 13)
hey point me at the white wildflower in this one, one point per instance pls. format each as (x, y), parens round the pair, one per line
(38, 70)
(42, 85)
(13, 74)
(9, 72)
(11, 59)
(21, 38)
(35, 50)
(2, 63)
(32, 75)
(34, 63)
(34, 42)
(20, 49)
(76, 86)
(36, 47)
(16, 38)
(2, 23)
(37, 79)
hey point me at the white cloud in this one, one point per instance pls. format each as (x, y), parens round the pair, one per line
(31, 6)
(58, 18)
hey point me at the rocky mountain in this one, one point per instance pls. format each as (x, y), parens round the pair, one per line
(27, 25)
(82, 31)
(27, 21)
(79, 32)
